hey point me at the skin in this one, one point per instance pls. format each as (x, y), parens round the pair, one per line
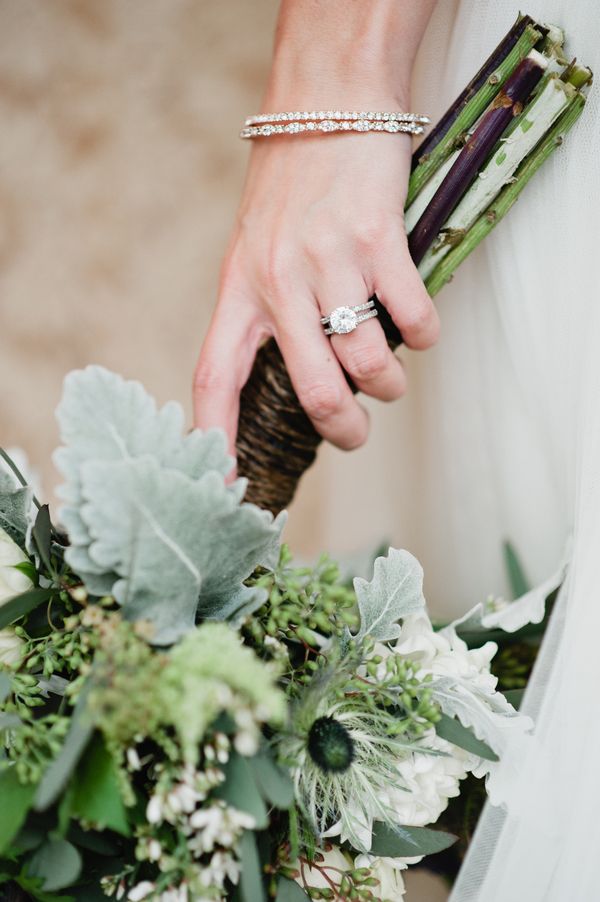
(320, 224)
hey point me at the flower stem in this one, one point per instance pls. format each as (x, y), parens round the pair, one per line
(507, 197)
(493, 61)
(507, 104)
(468, 114)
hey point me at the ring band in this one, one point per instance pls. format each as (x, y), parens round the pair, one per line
(345, 319)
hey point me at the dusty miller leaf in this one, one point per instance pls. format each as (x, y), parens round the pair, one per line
(490, 716)
(395, 591)
(176, 545)
(15, 506)
(103, 417)
(148, 513)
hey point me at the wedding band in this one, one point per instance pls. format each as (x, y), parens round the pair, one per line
(345, 319)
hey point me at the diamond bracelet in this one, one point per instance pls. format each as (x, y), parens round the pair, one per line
(265, 124)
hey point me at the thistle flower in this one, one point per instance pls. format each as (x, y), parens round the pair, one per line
(346, 738)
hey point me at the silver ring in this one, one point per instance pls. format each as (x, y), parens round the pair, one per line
(345, 319)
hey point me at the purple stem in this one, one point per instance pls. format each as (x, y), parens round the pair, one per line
(491, 64)
(507, 104)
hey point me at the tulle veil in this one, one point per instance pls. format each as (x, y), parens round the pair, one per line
(510, 420)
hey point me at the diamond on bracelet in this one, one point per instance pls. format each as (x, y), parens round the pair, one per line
(264, 125)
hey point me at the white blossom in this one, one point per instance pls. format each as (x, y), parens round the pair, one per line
(11, 647)
(217, 825)
(323, 873)
(141, 891)
(12, 581)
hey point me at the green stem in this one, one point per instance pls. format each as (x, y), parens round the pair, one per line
(507, 197)
(429, 163)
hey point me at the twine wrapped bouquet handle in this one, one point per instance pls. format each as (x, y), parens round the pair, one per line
(277, 442)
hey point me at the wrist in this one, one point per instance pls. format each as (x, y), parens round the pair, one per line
(350, 58)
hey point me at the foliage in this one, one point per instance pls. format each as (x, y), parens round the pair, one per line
(185, 713)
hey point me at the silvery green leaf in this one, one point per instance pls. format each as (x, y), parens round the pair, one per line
(176, 545)
(106, 418)
(395, 591)
(490, 716)
(509, 616)
(15, 507)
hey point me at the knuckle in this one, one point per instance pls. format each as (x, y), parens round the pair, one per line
(368, 362)
(321, 401)
(206, 378)
(371, 232)
(356, 440)
(323, 245)
(421, 322)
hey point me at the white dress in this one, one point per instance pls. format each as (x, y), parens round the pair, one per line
(509, 424)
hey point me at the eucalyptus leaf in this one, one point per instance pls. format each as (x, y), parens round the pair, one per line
(57, 863)
(33, 886)
(273, 781)
(395, 591)
(251, 883)
(5, 686)
(22, 604)
(95, 794)
(240, 790)
(60, 770)
(16, 801)
(41, 534)
(406, 842)
(451, 729)
(289, 891)
(519, 583)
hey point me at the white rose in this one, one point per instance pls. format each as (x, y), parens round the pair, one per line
(333, 862)
(12, 582)
(388, 872)
(10, 647)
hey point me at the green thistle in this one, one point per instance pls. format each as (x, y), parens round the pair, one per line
(330, 745)
(347, 734)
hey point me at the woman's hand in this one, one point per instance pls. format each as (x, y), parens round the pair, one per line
(320, 225)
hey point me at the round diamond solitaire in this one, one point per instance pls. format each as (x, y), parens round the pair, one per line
(343, 320)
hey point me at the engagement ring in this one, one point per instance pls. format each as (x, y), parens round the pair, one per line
(345, 319)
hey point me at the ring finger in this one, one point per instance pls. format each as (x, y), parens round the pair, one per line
(364, 352)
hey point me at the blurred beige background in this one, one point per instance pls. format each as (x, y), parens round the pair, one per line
(120, 170)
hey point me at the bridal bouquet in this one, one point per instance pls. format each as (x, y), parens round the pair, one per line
(188, 716)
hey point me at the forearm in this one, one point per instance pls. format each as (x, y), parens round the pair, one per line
(356, 53)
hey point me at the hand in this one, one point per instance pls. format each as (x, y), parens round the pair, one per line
(320, 225)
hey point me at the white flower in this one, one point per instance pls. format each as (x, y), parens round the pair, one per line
(12, 581)
(246, 742)
(429, 781)
(154, 810)
(388, 872)
(154, 850)
(218, 824)
(140, 891)
(10, 647)
(222, 867)
(323, 873)
(133, 759)
(175, 894)
(443, 655)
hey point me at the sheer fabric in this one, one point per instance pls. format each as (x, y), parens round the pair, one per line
(509, 424)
